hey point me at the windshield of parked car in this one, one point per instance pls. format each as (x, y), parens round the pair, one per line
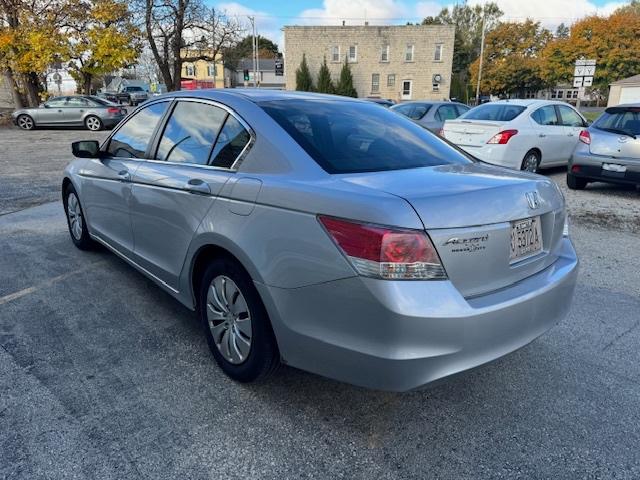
(134, 89)
(101, 101)
(623, 120)
(354, 137)
(502, 112)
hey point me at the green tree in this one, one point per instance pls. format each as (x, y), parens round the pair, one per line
(345, 82)
(562, 31)
(513, 59)
(304, 82)
(325, 85)
(103, 40)
(244, 49)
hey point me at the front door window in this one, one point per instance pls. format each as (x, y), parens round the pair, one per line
(406, 89)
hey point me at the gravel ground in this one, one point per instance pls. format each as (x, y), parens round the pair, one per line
(102, 375)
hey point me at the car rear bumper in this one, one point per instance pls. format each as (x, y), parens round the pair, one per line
(395, 335)
(494, 154)
(589, 167)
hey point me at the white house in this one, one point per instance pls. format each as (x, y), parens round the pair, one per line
(626, 90)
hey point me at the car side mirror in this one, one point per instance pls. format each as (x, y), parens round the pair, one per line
(44, 105)
(86, 149)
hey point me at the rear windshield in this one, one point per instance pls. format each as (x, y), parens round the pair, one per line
(133, 89)
(620, 120)
(101, 101)
(497, 112)
(353, 137)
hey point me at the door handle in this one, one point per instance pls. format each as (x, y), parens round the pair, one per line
(124, 175)
(195, 185)
(570, 134)
(542, 135)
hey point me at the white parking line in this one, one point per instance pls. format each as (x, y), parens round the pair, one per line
(46, 283)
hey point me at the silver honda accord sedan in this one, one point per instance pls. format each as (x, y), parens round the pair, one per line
(325, 233)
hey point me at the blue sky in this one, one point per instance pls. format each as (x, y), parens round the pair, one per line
(272, 15)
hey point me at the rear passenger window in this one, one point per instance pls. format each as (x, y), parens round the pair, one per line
(190, 133)
(132, 139)
(231, 142)
(447, 112)
(546, 116)
(570, 117)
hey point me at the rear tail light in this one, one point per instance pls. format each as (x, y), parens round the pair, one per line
(585, 137)
(503, 137)
(114, 110)
(383, 252)
(575, 169)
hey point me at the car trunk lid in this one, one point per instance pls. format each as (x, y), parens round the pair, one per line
(614, 145)
(472, 133)
(469, 212)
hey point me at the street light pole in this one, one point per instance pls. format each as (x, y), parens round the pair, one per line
(481, 58)
(254, 58)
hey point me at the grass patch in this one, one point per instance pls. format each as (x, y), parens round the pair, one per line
(591, 116)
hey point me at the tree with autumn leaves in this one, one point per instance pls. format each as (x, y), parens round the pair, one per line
(525, 55)
(92, 37)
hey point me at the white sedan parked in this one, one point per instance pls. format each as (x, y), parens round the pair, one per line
(519, 134)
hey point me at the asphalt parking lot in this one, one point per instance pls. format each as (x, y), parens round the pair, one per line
(102, 375)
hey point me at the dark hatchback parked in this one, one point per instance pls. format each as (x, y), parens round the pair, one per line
(609, 150)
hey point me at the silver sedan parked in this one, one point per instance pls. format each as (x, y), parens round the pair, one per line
(87, 111)
(431, 115)
(325, 233)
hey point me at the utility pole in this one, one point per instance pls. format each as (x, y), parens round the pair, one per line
(255, 52)
(481, 59)
(258, 57)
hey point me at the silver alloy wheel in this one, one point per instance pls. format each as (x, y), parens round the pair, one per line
(75, 216)
(25, 122)
(93, 123)
(531, 163)
(229, 319)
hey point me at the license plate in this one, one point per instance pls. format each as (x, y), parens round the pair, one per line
(526, 238)
(614, 167)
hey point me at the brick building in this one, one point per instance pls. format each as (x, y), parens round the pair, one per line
(407, 62)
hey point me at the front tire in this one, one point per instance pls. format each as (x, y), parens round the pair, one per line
(236, 322)
(576, 183)
(76, 220)
(531, 162)
(93, 123)
(25, 122)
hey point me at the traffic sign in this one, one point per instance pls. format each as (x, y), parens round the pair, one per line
(279, 68)
(587, 82)
(577, 81)
(582, 62)
(584, 71)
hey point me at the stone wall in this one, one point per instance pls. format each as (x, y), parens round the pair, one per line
(317, 42)
(6, 99)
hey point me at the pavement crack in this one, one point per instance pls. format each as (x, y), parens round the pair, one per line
(623, 334)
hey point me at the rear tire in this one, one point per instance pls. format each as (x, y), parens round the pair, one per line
(531, 162)
(576, 183)
(76, 220)
(25, 122)
(236, 323)
(93, 123)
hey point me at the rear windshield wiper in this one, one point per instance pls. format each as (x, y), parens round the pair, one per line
(616, 130)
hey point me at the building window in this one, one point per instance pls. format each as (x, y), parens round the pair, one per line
(436, 87)
(391, 80)
(408, 54)
(375, 83)
(554, 93)
(560, 94)
(191, 70)
(211, 70)
(353, 53)
(438, 55)
(384, 55)
(406, 89)
(574, 94)
(335, 53)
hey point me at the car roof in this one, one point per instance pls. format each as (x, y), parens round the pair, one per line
(257, 95)
(527, 102)
(429, 102)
